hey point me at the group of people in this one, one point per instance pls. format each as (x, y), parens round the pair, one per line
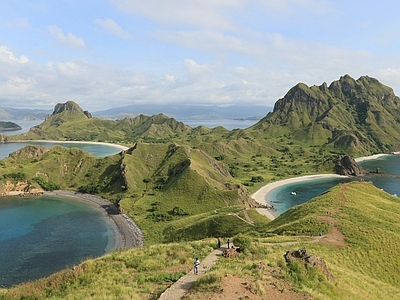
(219, 243)
(197, 261)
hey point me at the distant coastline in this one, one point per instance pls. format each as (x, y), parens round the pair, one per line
(74, 142)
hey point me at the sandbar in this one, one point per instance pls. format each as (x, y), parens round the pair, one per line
(127, 233)
(261, 195)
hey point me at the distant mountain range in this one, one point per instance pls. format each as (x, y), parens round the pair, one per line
(177, 111)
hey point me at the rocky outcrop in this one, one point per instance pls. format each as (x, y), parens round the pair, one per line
(310, 260)
(346, 165)
(21, 188)
(230, 253)
(70, 106)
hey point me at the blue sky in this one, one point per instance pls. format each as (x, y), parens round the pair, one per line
(105, 54)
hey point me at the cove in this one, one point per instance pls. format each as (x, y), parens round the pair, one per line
(96, 149)
(282, 198)
(42, 235)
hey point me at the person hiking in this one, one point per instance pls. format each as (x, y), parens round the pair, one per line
(219, 242)
(196, 266)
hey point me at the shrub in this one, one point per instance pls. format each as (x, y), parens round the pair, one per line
(242, 241)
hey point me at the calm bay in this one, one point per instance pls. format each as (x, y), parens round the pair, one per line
(42, 235)
(282, 197)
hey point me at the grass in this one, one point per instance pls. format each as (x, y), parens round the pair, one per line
(364, 268)
(141, 273)
(198, 173)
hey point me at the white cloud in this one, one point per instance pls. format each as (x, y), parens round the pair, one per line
(69, 39)
(195, 68)
(112, 27)
(7, 56)
(169, 78)
(205, 13)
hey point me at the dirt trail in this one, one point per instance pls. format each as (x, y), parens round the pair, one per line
(179, 288)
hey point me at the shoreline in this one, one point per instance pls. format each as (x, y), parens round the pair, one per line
(375, 156)
(261, 194)
(123, 148)
(127, 233)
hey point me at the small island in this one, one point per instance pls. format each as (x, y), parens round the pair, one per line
(9, 126)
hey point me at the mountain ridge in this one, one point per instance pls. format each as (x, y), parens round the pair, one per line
(352, 115)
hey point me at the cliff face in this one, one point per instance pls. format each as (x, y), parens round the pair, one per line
(346, 165)
(360, 116)
(70, 106)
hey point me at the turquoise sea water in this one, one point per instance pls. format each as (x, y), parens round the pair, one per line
(42, 235)
(282, 198)
(98, 150)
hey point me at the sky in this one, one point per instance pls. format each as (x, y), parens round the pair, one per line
(112, 53)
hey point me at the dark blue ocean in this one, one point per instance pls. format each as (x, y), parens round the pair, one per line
(282, 198)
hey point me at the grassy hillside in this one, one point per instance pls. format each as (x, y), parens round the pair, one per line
(361, 237)
(183, 184)
(159, 185)
(357, 117)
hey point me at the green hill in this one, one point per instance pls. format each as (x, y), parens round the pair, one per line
(355, 116)
(183, 185)
(359, 242)
(160, 185)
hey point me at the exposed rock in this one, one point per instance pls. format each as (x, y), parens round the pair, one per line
(87, 114)
(70, 106)
(21, 188)
(311, 260)
(346, 165)
(230, 253)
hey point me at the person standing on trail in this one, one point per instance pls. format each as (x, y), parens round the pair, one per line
(219, 242)
(196, 266)
(228, 243)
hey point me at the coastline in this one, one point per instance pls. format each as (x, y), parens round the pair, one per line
(261, 194)
(375, 156)
(127, 233)
(74, 142)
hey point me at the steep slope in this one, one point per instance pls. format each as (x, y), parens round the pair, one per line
(357, 116)
(360, 232)
(156, 183)
(171, 184)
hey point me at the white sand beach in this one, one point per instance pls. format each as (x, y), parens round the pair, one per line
(261, 194)
(74, 142)
(375, 156)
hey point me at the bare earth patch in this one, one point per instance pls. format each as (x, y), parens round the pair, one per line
(234, 287)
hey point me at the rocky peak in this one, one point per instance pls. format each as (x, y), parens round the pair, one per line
(70, 106)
